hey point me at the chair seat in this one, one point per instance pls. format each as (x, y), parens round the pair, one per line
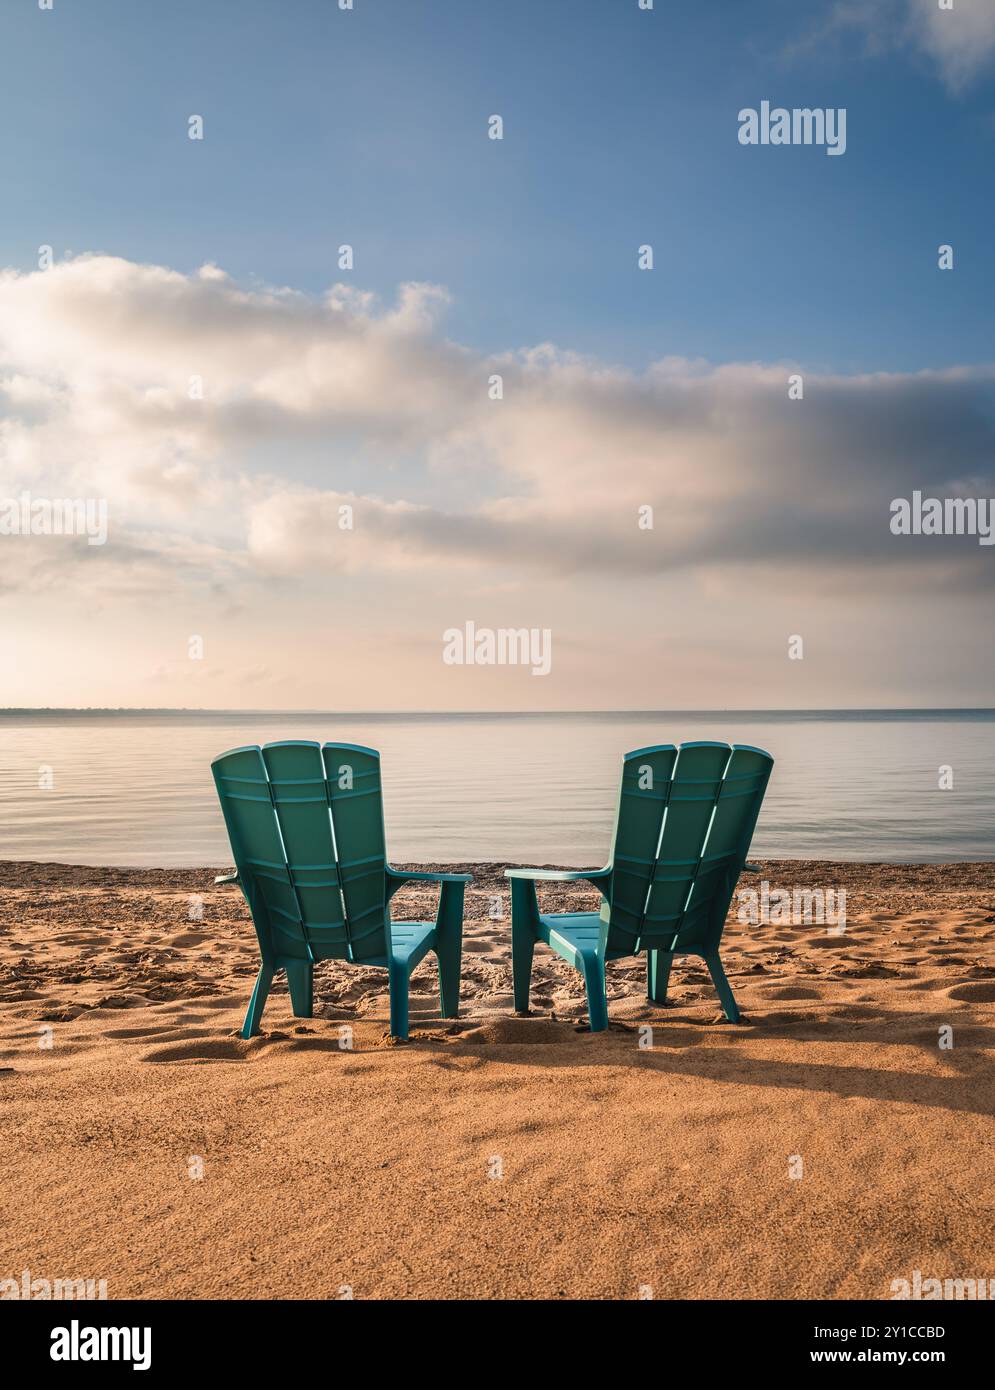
(576, 932)
(409, 941)
(571, 934)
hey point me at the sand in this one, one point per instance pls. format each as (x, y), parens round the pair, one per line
(144, 1143)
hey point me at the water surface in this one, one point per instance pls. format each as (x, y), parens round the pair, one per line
(136, 788)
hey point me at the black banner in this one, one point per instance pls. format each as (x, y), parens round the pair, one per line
(160, 1338)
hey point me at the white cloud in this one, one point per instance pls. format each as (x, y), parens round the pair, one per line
(312, 405)
(960, 41)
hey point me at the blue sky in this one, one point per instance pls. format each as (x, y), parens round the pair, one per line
(369, 126)
(215, 262)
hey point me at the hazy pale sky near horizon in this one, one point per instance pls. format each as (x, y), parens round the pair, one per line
(217, 260)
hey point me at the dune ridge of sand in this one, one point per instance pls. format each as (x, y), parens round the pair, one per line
(830, 1144)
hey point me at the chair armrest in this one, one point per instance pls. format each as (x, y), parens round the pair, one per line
(227, 878)
(396, 878)
(450, 893)
(597, 878)
(558, 875)
(419, 877)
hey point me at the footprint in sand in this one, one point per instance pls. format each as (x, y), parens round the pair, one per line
(190, 938)
(983, 992)
(519, 1031)
(177, 1034)
(775, 1020)
(930, 985)
(206, 1050)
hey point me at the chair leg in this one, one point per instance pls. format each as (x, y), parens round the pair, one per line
(398, 976)
(258, 1002)
(658, 965)
(597, 1001)
(449, 947)
(726, 999)
(450, 961)
(300, 979)
(522, 940)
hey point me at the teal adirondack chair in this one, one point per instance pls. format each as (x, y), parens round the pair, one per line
(305, 823)
(682, 833)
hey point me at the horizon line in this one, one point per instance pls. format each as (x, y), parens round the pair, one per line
(493, 713)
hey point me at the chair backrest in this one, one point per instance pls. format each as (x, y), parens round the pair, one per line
(685, 820)
(306, 828)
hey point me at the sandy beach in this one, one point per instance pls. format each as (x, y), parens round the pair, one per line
(824, 1147)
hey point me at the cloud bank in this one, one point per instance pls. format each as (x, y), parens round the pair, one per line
(233, 429)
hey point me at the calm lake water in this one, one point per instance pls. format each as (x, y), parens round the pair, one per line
(136, 789)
